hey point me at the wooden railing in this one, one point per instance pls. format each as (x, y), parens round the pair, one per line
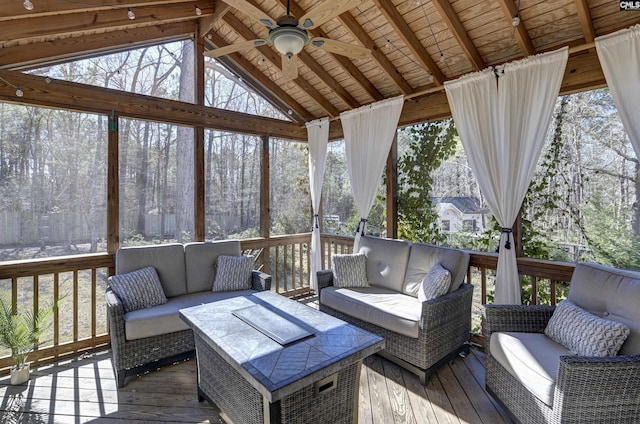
(80, 324)
(78, 283)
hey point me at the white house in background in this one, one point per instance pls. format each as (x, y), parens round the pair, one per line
(460, 214)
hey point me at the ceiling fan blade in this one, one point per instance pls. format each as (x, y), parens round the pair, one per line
(327, 10)
(338, 47)
(232, 48)
(252, 11)
(289, 67)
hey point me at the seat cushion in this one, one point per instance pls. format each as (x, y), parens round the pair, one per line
(385, 308)
(386, 261)
(167, 259)
(164, 319)
(138, 289)
(424, 256)
(350, 270)
(532, 358)
(610, 293)
(201, 261)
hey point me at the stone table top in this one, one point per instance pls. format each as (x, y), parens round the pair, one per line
(275, 370)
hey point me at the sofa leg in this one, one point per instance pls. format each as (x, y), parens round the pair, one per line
(121, 377)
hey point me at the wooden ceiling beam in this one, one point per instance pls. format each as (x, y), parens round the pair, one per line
(269, 54)
(584, 15)
(279, 97)
(34, 55)
(15, 10)
(509, 10)
(343, 61)
(206, 23)
(85, 98)
(41, 28)
(410, 40)
(457, 29)
(361, 35)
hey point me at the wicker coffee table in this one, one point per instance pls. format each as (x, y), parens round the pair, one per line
(268, 359)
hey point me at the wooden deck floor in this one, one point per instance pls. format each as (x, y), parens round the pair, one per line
(83, 390)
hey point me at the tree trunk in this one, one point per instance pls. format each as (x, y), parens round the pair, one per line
(185, 196)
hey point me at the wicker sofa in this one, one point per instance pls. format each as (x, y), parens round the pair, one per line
(420, 336)
(147, 338)
(541, 381)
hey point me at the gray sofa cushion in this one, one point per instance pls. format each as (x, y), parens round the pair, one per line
(234, 273)
(201, 262)
(424, 256)
(167, 259)
(164, 319)
(350, 270)
(386, 261)
(532, 358)
(138, 289)
(435, 284)
(383, 307)
(612, 294)
(583, 333)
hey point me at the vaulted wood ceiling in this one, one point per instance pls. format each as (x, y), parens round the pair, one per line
(416, 45)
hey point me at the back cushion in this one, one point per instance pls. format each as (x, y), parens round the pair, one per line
(610, 293)
(167, 259)
(386, 261)
(424, 256)
(201, 260)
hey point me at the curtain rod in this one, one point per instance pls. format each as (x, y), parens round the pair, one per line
(572, 50)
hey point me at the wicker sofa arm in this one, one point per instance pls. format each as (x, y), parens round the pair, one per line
(444, 309)
(260, 281)
(325, 279)
(604, 387)
(517, 318)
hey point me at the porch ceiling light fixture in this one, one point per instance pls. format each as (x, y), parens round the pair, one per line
(287, 37)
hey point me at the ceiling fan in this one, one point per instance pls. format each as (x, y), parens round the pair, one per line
(290, 35)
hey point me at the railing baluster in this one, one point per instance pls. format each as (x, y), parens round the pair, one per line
(56, 312)
(14, 294)
(483, 284)
(94, 301)
(36, 298)
(534, 290)
(276, 279)
(75, 306)
(554, 299)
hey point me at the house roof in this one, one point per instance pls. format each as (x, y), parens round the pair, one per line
(467, 205)
(415, 45)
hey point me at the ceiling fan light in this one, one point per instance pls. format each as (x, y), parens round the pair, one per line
(288, 40)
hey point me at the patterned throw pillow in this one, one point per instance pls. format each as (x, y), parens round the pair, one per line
(138, 289)
(583, 333)
(234, 273)
(350, 271)
(435, 283)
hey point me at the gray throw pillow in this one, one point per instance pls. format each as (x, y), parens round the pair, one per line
(350, 271)
(138, 289)
(435, 283)
(234, 273)
(584, 333)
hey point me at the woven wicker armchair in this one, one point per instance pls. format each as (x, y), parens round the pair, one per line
(586, 389)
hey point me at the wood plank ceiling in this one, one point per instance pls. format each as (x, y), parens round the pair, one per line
(416, 45)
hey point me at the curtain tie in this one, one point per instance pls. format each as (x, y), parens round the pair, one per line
(507, 245)
(361, 226)
(316, 221)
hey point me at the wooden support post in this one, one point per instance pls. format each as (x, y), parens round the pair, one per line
(265, 202)
(392, 189)
(198, 150)
(113, 185)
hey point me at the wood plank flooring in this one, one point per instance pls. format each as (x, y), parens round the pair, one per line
(83, 390)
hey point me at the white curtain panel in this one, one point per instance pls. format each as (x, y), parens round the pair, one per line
(502, 116)
(368, 135)
(318, 134)
(619, 55)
